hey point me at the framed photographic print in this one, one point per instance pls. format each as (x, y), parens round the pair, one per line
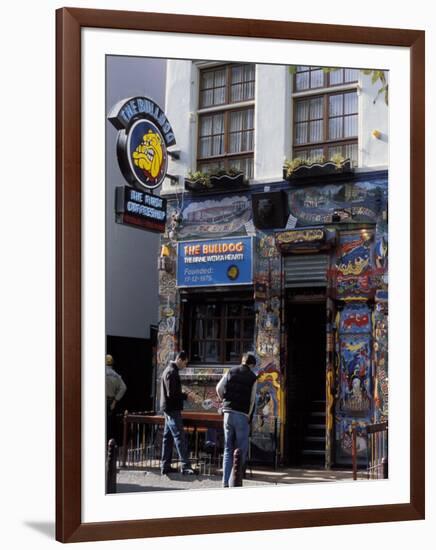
(240, 275)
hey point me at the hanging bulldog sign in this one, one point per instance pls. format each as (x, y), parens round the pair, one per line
(144, 134)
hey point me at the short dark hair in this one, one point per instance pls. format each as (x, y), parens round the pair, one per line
(249, 358)
(181, 355)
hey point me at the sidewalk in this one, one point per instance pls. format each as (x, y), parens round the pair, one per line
(151, 480)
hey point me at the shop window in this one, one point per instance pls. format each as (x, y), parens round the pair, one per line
(219, 332)
(226, 131)
(325, 124)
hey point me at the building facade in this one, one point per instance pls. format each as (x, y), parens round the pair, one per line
(277, 243)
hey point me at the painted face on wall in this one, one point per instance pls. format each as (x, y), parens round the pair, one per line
(354, 262)
(148, 156)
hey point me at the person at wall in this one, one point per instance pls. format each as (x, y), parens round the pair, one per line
(115, 390)
(237, 391)
(171, 401)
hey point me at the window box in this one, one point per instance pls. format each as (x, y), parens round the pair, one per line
(318, 169)
(215, 182)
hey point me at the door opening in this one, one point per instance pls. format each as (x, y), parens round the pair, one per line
(306, 371)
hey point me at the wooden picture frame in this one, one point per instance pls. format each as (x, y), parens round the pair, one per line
(69, 525)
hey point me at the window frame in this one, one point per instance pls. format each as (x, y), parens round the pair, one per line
(326, 143)
(225, 109)
(189, 321)
(326, 79)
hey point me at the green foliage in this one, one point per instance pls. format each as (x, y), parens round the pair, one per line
(290, 165)
(201, 178)
(338, 160)
(380, 76)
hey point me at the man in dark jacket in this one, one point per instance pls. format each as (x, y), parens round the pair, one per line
(171, 400)
(237, 390)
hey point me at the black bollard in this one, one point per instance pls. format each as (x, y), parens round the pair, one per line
(385, 468)
(111, 467)
(236, 477)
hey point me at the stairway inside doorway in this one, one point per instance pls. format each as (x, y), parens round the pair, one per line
(306, 419)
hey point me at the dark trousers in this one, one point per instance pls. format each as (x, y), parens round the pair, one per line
(174, 435)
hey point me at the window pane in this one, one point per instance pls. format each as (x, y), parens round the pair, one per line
(219, 96)
(213, 329)
(335, 128)
(316, 108)
(220, 78)
(236, 119)
(336, 77)
(248, 330)
(206, 98)
(316, 79)
(302, 81)
(211, 351)
(233, 328)
(205, 147)
(316, 131)
(351, 75)
(218, 124)
(233, 310)
(213, 310)
(336, 105)
(206, 126)
(302, 111)
(301, 133)
(233, 353)
(199, 331)
(218, 145)
(350, 101)
(350, 126)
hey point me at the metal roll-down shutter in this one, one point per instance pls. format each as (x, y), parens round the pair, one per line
(306, 270)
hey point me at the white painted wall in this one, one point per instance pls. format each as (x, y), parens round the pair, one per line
(273, 121)
(373, 152)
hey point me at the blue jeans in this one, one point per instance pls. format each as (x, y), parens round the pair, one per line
(236, 432)
(173, 433)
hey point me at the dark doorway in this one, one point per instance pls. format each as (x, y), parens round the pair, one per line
(133, 360)
(305, 425)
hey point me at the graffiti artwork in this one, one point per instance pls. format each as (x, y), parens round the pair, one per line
(356, 318)
(355, 374)
(353, 265)
(344, 442)
(365, 201)
(219, 217)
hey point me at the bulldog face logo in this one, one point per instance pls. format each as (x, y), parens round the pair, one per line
(146, 154)
(149, 156)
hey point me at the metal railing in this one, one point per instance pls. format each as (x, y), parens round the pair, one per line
(376, 450)
(142, 445)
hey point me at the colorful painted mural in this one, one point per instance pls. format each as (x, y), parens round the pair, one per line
(356, 333)
(217, 217)
(354, 266)
(359, 201)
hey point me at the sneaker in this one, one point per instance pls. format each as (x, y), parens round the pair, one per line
(189, 472)
(167, 471)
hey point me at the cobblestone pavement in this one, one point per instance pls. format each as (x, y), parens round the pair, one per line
(151, 480)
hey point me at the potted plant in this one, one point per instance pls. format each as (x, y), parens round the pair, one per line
(216, 180)
(300, 168)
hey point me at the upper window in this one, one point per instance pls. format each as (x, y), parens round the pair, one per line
(226, 84)
(226, 134)
(308, 78)
(325, 125)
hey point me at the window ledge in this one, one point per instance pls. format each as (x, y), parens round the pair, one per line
(328, 90)
(226, 107)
